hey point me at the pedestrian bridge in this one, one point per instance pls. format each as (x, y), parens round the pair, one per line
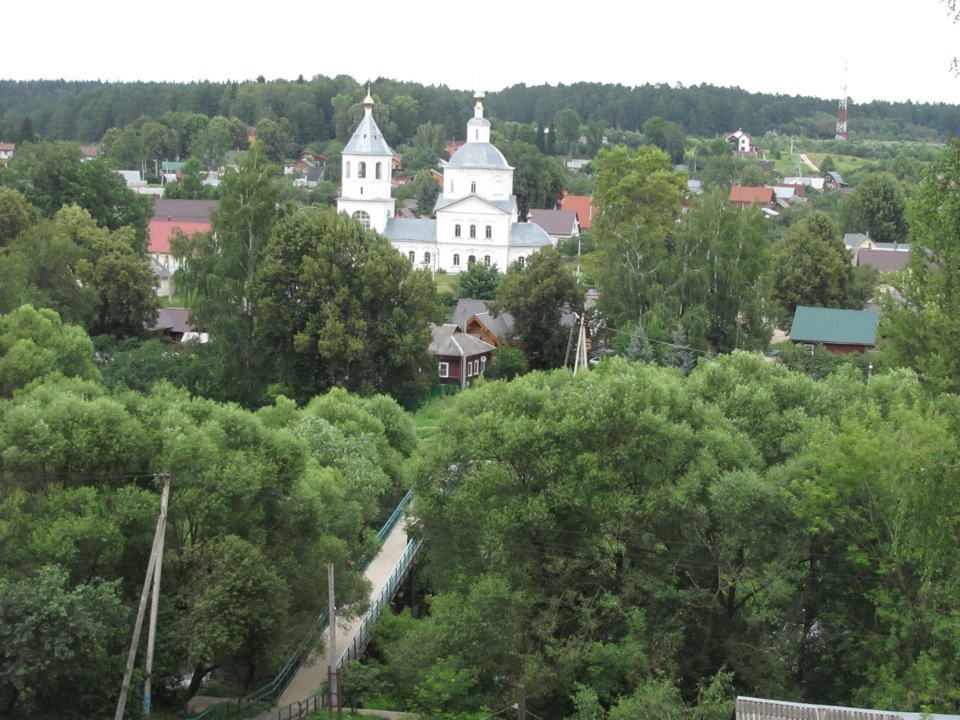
(300, 687)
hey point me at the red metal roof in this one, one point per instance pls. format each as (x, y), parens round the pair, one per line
(583, 206)
(162, 230)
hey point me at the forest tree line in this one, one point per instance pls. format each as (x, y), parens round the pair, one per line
(317, 108)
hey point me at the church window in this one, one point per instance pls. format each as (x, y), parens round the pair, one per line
(426, 258)
(522, 262)
(361, 169)
(486, 259)
(476, 134)
(456, 230)
(489, 232)
(473, 231)
(379, 170)
(471, 260)
(451, 187)
(412, 255)
(456, 259)
(473, 186)
(348, 169)
(363, 217)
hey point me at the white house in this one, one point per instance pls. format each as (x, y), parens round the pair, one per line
(476, 212)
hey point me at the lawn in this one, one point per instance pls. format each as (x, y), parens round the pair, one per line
(427, 418)
(446, 283)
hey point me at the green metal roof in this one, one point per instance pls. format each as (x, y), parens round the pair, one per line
(826, 325)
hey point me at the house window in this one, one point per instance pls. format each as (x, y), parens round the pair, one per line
(379, 170)
(426, 258)
(412, 255)
(456, 259)
(471, 260)
(348, 169)
(363, 217)
(470, 368)
(486, 260)
(489, 232)
(444, 369)
(361, 169)
(473, 231)
(473, 186)
(456, 230)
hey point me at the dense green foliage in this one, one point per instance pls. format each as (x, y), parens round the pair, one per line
(260, 504)
(626, 534)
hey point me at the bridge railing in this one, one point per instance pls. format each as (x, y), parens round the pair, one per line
(250, 704)
(361, 636)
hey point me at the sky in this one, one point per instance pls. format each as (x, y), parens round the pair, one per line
(893, 50)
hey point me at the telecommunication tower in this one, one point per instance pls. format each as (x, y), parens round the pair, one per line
(842, 110)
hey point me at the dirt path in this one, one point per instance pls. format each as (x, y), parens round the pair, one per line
(806, 161)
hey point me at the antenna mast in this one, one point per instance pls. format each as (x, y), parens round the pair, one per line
(842, 110)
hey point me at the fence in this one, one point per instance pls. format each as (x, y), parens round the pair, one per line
(252, 703)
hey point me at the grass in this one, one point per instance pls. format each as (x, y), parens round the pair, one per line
(427, 419)
(446, 283)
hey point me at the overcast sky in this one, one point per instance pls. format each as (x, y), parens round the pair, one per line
(894, 50)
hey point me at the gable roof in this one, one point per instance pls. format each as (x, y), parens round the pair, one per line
(882, 260)
(854, 240)
(445, 202)
(555, 222)
(828, 325)
(423, 230)
(450, 341)
(174, 320)
(160, 232)
(749, 195)
(500, 327)
(183, 210)
(583, 206)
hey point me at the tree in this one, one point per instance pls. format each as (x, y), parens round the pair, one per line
(35, 343)
(537, 180)
(479, 281)
(211, 144)
(276, 138)
(538, 296)
(723, 276)
(878, 206)
(508, 363)
(16, 214)
(52, 175)
(666, 135)
(566, 130)
(55, 639)
(639, 199)
(220, 270)
(922, 329)
(339, 307)
(810, 266)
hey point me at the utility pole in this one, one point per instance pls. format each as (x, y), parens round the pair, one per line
(521, 703)
(141, 610)
(154, 600)
(332, 684)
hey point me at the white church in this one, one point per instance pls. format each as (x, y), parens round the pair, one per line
(476, 212)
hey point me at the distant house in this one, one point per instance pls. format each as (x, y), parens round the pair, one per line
(583, 206)
(559, 224)
(834, 181)
(474, 318)
(452, 146)
(132, 178)
(883, 260)
(810, 183)
(161, 231)
(577, 164)
(309, 166)
(461, 358)
(183, 210)
(855, 241)
(175, 323)
(740, 143)
(90, 152)
(768, 166)
(743, 196)
(6, 151)
(837, 331)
